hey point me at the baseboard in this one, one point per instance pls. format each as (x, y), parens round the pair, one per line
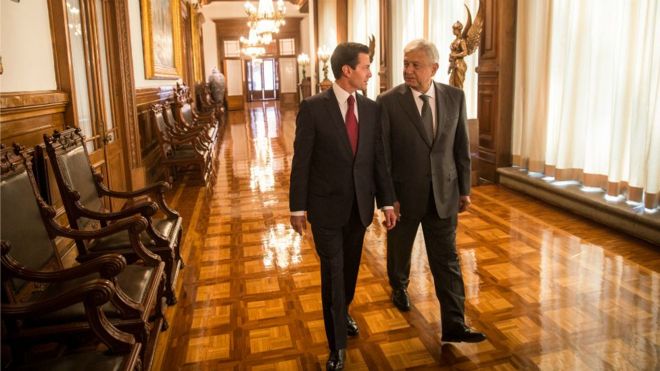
(621, 216)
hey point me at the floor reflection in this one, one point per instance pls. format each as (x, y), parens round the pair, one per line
(551, 291)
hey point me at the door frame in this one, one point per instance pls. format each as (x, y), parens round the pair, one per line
(276, 83)
(122, 86)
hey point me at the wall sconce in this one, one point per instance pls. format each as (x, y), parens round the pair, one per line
(324, 54)
(303, 61)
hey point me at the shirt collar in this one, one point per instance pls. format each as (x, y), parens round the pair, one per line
(340, 93)
(430, 92)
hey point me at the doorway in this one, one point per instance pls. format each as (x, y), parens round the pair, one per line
(93, 94)
(263, 81)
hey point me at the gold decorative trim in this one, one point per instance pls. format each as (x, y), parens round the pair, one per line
(152, 69)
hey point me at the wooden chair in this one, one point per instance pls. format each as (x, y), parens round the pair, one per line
(181, 152)
(92, 295)
(183, 132)
(82, 191)
(33, 269)
(205, 102)
(185, 114)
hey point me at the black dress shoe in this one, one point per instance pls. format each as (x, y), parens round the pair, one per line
(351, 326)
(465, 335)
(336, 360)
(401, 300)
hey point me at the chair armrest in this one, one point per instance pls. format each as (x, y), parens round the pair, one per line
(144, 208)
(135, 225)
(93, 294)
(108, 266)
(154, 188)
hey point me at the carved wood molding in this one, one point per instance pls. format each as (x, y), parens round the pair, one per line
(147, 96)
(20, 105)
(128, 97)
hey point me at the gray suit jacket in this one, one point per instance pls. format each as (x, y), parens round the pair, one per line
(325, 177)
(417, 165)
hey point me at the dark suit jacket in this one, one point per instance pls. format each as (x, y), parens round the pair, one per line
(325, 177)
(416, 165)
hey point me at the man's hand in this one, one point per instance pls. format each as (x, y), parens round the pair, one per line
(463, 203)
(299, 223)
(397, 210)
(390, 218)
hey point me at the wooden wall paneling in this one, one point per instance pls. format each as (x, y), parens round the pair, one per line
(150, 152)
(385, 49)
(495, 97)
(342, 21)
(26, 116)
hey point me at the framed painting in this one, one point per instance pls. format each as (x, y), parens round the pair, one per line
(161, 38)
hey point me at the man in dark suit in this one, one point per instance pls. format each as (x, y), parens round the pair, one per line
(338, 167)
(427, 152)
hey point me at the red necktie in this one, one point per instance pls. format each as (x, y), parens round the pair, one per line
(352, 124)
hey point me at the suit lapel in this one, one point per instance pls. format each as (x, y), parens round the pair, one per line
(441, 104)
(363, 120)
(407, 101)
(332, 107)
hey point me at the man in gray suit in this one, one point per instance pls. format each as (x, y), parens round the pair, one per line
(427, 152)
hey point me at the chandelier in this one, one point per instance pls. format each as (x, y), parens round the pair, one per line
(253, 45)
(266, 19)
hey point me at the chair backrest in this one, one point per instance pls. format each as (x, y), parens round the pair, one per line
(21, 219)
(171, 114)
(74, 173)
(186, 112)
(162, 128)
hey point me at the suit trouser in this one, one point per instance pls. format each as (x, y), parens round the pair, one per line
(339, 250)
(440, 240)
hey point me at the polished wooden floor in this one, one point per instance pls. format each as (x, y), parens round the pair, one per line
(551, 290)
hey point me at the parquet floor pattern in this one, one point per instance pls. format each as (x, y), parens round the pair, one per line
(551, 290)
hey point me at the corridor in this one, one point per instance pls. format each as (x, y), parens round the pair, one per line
(551, 290)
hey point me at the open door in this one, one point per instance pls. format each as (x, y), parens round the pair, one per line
(262, 79)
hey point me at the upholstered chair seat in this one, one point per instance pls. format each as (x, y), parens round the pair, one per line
(97, 361)
(124, 352)
(165, 227)
(134, 281)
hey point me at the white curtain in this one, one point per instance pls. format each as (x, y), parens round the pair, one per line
(587, 105)
(364, 21)
(410, 22)
(407, 23)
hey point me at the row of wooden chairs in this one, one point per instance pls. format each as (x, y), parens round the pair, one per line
(128, 261)
(187, 138)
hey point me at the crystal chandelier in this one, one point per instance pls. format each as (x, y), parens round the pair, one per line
(266, 19)
(253, 45)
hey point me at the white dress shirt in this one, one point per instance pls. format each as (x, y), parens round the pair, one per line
(342, 98)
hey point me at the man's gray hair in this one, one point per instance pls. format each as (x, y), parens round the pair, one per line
(425, 46)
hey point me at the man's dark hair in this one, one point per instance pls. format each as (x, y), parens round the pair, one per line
(346, 53)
